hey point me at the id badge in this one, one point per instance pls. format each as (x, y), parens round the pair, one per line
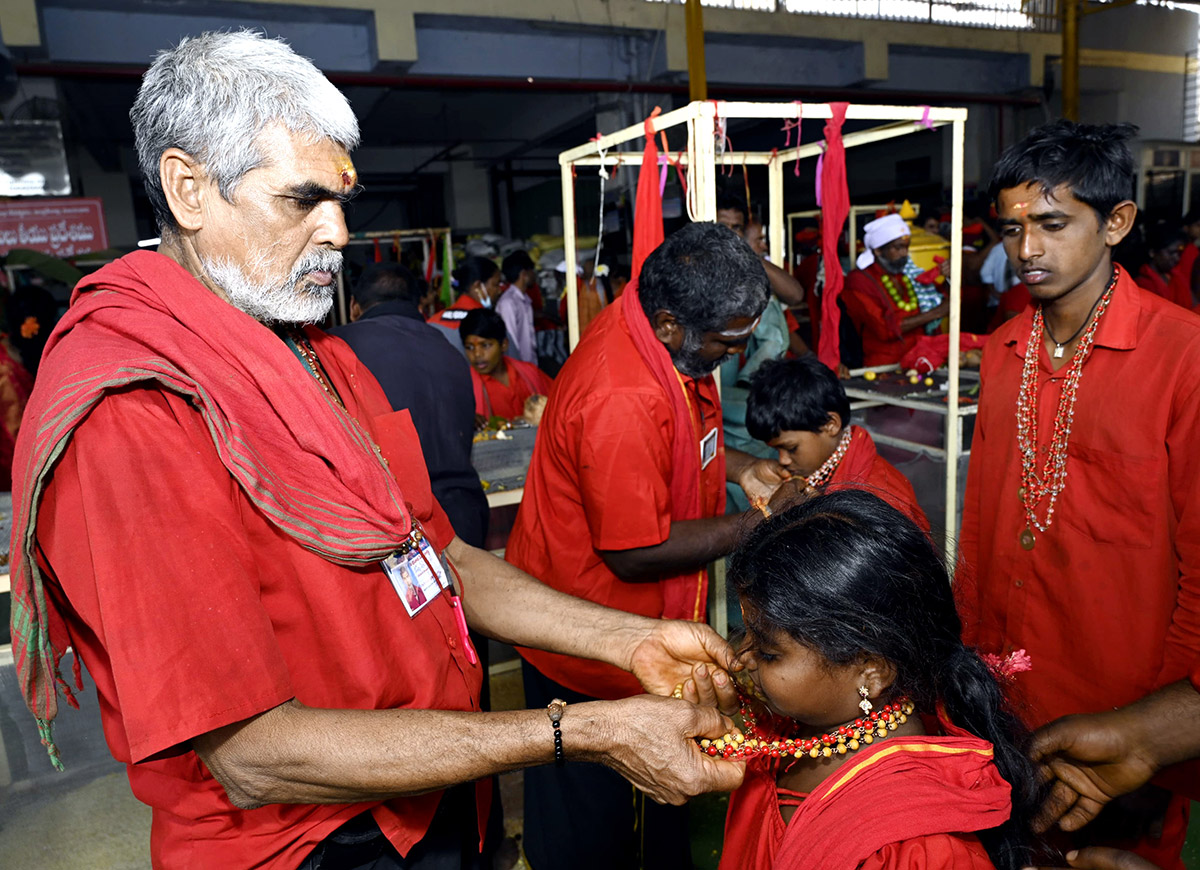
(416, 573)
(708, 447)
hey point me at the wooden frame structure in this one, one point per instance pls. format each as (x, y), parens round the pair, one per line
(424, 236)
(703, 121)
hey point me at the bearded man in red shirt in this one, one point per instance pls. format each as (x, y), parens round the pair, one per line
(625, 506)
(881, 299)
(1081, 526)
(220, 514)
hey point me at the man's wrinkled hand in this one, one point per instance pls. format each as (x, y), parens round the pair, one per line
(655, 748)
(676, 652)
(762, 478)
(1091, 759)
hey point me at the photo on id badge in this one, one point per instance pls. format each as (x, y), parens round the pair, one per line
(412, 578)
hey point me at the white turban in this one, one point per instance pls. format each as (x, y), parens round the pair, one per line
(880, 232)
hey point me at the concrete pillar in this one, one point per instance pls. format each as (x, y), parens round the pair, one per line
(469, 199)
(113, 188)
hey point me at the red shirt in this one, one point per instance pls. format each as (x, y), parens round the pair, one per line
(524, 380)
(755, 831)
(191, 612)
(1107, 603)
(863, 468)
(877, 318)
(600, 479)
(452, 317)
(1150, 279)
(1181, 276)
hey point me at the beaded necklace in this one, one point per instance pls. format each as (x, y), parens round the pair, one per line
(905, 300)
(1052, 480)
(309, 356)
(829, 466)
(839, 741)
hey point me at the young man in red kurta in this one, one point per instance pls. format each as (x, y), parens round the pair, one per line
(799, 408)
(625, 505)
(1081, 526)
(880, 298)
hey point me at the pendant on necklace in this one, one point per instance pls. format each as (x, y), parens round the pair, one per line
(1021, 494)
(1058, 351)
(1026, 539)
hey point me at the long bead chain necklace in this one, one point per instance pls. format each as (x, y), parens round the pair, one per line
(313, 364)
(905, 300)
(753, 742)
(821, 476)
(1052, 480)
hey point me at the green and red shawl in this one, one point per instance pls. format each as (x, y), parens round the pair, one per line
(307, 465)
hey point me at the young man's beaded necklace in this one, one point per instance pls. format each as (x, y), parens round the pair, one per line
(1052, 480)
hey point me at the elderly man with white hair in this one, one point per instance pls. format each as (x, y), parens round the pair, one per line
(223, 519)
(882, 299)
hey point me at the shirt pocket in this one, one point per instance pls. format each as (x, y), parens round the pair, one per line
(1109, 497)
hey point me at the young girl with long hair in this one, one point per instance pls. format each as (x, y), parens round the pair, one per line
(874, 737)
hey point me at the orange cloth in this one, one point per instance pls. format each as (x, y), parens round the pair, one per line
(600, 479)
(590, 303)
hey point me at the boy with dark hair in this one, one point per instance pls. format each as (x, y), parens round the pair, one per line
(502, 384)
(1081, 507)
(798, 407)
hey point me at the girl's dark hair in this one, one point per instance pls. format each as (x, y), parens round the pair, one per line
(474, 269)
(847, 574)
(1093, 160)
(484, 323)
(793, 395)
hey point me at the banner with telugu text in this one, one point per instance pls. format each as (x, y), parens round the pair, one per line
(59, 227)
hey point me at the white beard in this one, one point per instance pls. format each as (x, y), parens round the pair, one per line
(293, 301)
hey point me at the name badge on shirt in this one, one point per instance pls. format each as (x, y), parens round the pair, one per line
(708, 447)
(416, 572)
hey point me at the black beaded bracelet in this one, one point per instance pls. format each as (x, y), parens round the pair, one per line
(555, 711)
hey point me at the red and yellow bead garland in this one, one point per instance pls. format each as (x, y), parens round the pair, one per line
(845, 739)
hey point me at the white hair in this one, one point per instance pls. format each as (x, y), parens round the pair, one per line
(213, 95)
